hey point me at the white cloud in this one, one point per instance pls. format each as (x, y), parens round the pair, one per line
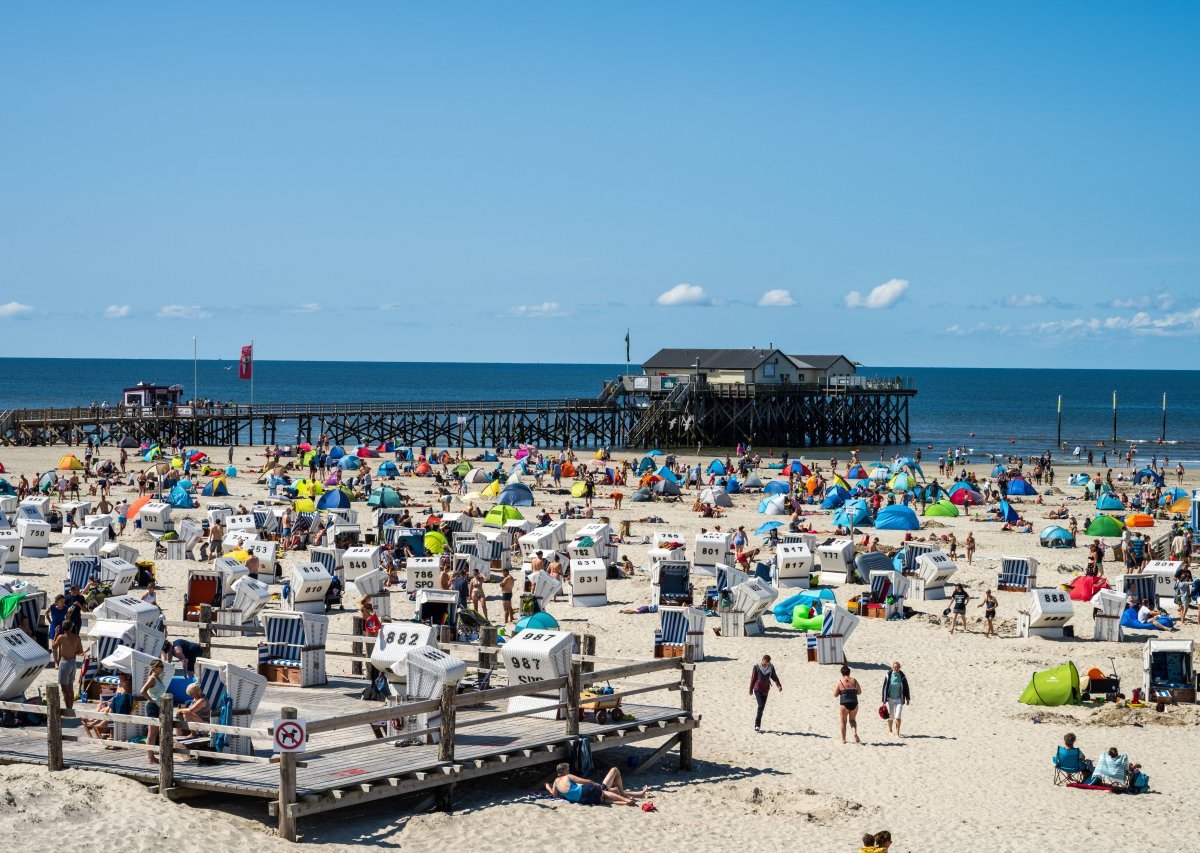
(183, 312)
(776, 299)
(116, 312)
(1028, 300)
(306, 308)
(684, 294)
(1161, 299)
(1141, 324)
(884, 296)
(542, 309)
(15, 309)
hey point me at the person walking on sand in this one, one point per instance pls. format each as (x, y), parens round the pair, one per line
(760, 686)
(970, 547)
(989, 605)
(847, 692)
(895, 696)
(958, 607)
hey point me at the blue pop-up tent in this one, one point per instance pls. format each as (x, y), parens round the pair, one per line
(389, 469)
(334, 499)
(897, 517)
(1021, 487)
(776, 487)
(515, 494)
(716, 467)
(835, 496)
(853, 513)
(180, 498)
(1109, 503)
(1007, 513)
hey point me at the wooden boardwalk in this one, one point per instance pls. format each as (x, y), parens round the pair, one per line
(345, 764)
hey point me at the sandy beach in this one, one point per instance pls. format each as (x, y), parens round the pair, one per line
(972, 772)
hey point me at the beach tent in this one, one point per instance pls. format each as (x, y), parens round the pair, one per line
(230, 471)
(641, 495)
(70, 462)
(1139, 519)
(1007, 513)
(998, 470)
(1109, 503)
(1148, 475)
(6, 488)
(386, 447)
(334, 499)
(477, 475)
(385, 496)
(776, 487)
(716, 496)
(961, 497)
(488, 456)
(389, 469)
(336, 453)
(839, 480)
(180, 498)
(308, 488)
(423, 469)
(1020, 486)
(798, 468)
(752, 482)
(902, 482)
(663, 487)
(879, 475)
(463, 468)
(647, 464)
(835, 497)
(498, 515)
(1181, 506)
(366, 453)
(349, 463)
(1056, 537)
(516, 494)
(435, 542)
(215, 488)
(853, 513)
(129, 442)
(768, 526)
(1171, 495)
(1053, 687)
(136, 505)
(732, 486)
(579, 487)
(540, 621)
(666, 473)
(959, 485)
(897, 518)
(655, 452)
(47, 482)
(304, 505)
(152, 453)
(716, 467)
(775, 505)
(858, 472)
(568, 470)
(1104, 525)
(1079, 480)
(942, 509)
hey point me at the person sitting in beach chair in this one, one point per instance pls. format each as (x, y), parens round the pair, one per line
(1112, 769)
(120, 702)
(1069, 762)
(196, 711)
(577, 789)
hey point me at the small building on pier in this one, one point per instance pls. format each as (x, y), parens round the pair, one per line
(769, 366)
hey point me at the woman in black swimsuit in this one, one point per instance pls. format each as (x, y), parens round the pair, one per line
(989, 612)
(847, 692)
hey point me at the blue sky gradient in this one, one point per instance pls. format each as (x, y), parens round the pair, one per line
(921, 183)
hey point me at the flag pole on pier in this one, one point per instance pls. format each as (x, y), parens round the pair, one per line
(252, 375)
(627, 352)
(195, 374)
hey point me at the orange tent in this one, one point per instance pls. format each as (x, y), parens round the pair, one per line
(1139, 519)
(1182, 506)
(568, 470)
(136, 506)
(423, 470)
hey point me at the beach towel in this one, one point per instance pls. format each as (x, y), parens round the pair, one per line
(1112, 770)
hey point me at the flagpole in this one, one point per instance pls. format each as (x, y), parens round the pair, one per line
(252, 373)
(195, 374)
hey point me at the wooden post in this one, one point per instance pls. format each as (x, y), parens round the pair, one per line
(447, 634)
(287, 785)
(166, 744)
(356, 666)
(686, 704)
(205, 623)
(588, 649)
(54, 741)
(445, 794)
(488, 637)
(574, 679)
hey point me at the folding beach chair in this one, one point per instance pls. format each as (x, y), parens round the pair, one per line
(1069, 766)
(1112, 771)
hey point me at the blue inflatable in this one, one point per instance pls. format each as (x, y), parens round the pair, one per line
(1129, 619)
(814, 598)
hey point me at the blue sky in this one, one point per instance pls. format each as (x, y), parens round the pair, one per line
(913, 183)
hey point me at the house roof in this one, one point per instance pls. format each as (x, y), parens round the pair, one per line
(713, 359)
(817, 362)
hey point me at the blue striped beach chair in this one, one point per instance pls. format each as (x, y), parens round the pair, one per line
(682, 626)
(81, 570)
(1017, 574)
(293, 650)
(233, 693)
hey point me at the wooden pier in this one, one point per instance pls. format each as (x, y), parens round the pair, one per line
(691, 413)
(346, 764)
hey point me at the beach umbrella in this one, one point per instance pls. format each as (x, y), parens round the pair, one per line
(853, 513)
(1021, 487)
(1139, 519)
(1109, 503)
(1056, 537)
(768, 526)
(435, 542)
(943, 509)
(776, 487)
(1104, 525)
(136, 506)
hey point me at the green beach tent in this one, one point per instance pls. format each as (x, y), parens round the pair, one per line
(1104, 525)
(578, 489)
(942, 508)
(463, 468)
(435, 542)
(500, 513)
(1053, 687)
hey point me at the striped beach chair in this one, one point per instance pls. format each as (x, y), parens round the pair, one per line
(265, 521)
(233, 694)
(682, 626)
(837, 624)
(1017, 574)
(127, 660)
(293, 650)
(329, 558)
(81, 570)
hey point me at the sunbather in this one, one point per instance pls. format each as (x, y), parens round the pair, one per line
(120, 702)
(576, 789)
(196, 711)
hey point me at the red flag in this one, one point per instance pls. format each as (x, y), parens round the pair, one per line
(246, 365)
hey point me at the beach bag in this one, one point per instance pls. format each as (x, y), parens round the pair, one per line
(581, 756)
(883, 712)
